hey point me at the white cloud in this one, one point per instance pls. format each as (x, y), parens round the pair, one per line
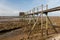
(6, 10)
(56, 13)
(52, 4)
(38, 2)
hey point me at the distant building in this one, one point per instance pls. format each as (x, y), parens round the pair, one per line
(21, 13)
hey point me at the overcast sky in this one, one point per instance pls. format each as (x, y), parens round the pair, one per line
(13, 7)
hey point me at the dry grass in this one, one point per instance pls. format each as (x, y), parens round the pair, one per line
(35, 34)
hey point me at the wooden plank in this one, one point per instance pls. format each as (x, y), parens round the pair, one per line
(49, 10)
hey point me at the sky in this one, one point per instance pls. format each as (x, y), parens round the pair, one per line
(13, 7)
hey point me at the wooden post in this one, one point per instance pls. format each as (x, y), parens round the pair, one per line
(33, 24)
(42, 22)
(52, 24)
(46, 20)
(37, 9)
(46, 25)
(33, 14)
(30, 18)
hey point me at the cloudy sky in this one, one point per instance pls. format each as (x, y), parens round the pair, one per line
(13, 7)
